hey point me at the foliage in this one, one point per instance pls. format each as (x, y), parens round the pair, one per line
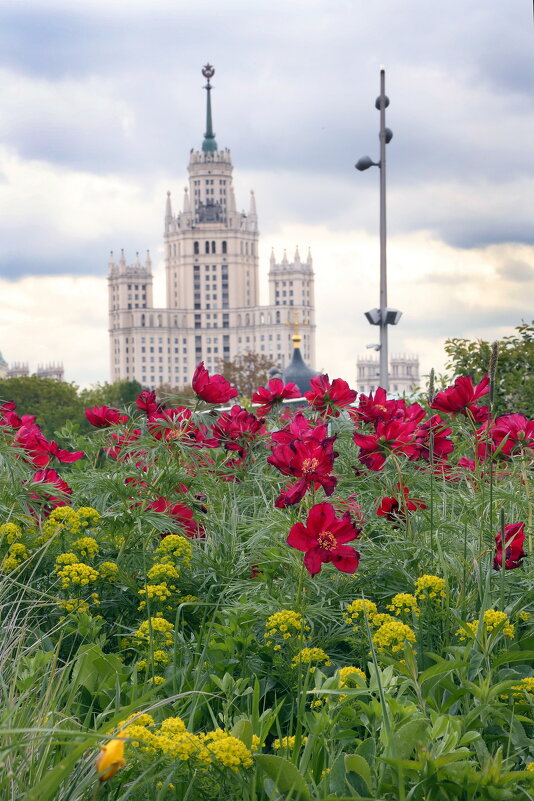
(514, 388)
(53, 402)
(119, 393)
(246, 372)
(157, 615)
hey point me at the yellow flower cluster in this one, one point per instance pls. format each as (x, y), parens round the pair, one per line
(74, 605)
(354, 613)
(530, 766)
(391, 636)
(159, 657)
(287, 743)
(11, 532)
(380, 618)
(174, 741)
(65, 559)
(175, 547)
(161, 630)
(311, 656)
(108, 571)
(493, 620)
(86, 547)
(285, 624)
(430, 587)
(64, 518)
(88, 516)
(154, 592)
(77, 574)
(16, 555)
(345, 673)
(227, 750)
(403, 603)
(163, 571)
(526, 685)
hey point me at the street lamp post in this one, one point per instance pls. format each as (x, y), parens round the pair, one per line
(382, 316)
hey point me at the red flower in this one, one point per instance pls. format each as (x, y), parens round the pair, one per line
(377, 408)
(394, 509)
(395, 436)
(513, 432)
(300, 428)
(39, 451)
(442, 444)
(461, 396)
(48, 476)
(328, 398)
(310, 461)
(214, 389)
(323, 540)
(147, 402)
(351, 506)
(104, 417)
(237, 430)
(514, 538)
(276, 392)
(181, 514)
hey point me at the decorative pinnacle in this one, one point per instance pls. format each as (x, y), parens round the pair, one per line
(208, 72)
(209, 144)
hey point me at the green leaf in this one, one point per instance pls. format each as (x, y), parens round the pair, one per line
(367, 749)
(408, 736)
(513, 656)
(243, 731)
(285, 775)
(354, 763)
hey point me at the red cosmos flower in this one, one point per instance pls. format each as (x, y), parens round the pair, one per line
(105, 416)
(39, 451)
(147, 402)
(181, 514)
(214, 389)
(323, 539)
(377, 408)
(514, 538)
(394, 509)
(395, 436)
(328, 398)
(516, 430)
(442, 445)
(276, 392)
(461, 396)
(310, 461)
(237, 430)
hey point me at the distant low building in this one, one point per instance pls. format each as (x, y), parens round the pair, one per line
(51, 370)
(403, 374)
(18, 370)
(22, 370)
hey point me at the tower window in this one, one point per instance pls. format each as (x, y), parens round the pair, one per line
(224, 246)
(195, 248)
(213, 247)
(206, 247)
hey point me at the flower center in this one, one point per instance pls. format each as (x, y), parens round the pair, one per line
(380, 407)
(327, 541)
(309, 465)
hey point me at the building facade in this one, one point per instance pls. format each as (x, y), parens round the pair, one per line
(212, 285)
(403, 374)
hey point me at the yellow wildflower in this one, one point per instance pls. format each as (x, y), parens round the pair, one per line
(311, 656)
(403, 603)
(77, 574)
(86, 546)
(287, 743)
(175, 547)
(354, 613)
(108, 571)
(11, 531)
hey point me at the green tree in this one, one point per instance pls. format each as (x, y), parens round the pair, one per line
(514, 384)
(52, 402)
(246, 372)
(120, 393)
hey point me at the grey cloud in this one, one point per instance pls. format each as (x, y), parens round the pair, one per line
(518, 271)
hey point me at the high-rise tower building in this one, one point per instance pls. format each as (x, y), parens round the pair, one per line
(212, 284)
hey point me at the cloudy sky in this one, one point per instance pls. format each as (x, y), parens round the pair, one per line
(101, 102)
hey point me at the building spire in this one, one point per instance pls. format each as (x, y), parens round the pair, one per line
(209, 145)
